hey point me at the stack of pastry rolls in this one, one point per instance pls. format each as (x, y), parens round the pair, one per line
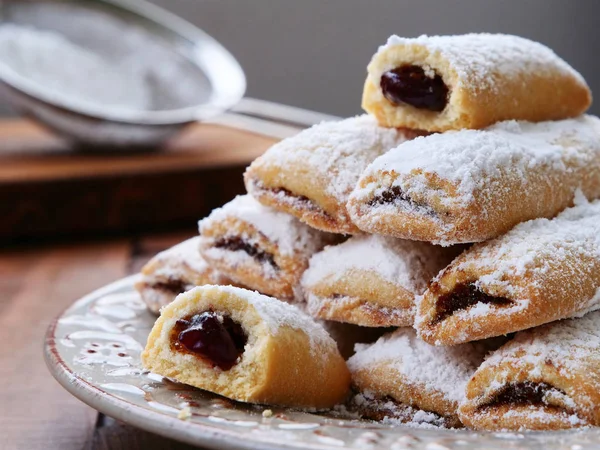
(447, 232)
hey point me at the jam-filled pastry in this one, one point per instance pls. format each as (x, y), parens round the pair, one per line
(473, 185)
(248, 347)
(440, 83)
(371, 280)
(401, 369)
(547, 378)
(310, 175)
(541, 271)
(173, 271)
(259, 247)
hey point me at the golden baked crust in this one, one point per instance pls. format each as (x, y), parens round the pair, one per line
(371, 280)
(547, 378)
(490, 78)
(258, 247)
(310, 175)
(541, 271)
(373, 302)
(402, 367)
(174, 271)
(288, 360)
(474, 185)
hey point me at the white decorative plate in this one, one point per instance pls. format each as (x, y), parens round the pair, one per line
(93, 350)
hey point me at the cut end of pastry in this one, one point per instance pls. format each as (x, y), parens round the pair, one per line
(300, 206)
(247, 347)
(404, 96)
(522, 406)
(423, 83)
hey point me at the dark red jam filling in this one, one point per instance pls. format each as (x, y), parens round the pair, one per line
(462, 297)
(395, 195)
(236, 243)
(174, 287)
(213, 336)
(526, 393)
(409, 84)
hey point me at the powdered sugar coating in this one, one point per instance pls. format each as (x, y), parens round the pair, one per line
(396, 414)
(409, 264)
(445, 370)
(539, 246)
(473, 160)
(475, 171)
(568, 342)
(563, 355)
(544, 269)
(480, 59)
(286, 231)
(336, 151)
(186, 252)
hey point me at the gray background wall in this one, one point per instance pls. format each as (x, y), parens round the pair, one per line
(313, 53)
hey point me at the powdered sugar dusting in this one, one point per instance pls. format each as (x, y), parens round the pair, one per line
(482, 59)
(239, 258)
(335, 151)
(286, 231)
(186, 252)
(409, 264)
(277, 314)
(569, 343)
(369, 404)
(569, 348)
(539, 246)
(474, 160)
(541, 416)
(438, 369)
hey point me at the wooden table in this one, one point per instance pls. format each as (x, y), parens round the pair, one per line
(36, 284)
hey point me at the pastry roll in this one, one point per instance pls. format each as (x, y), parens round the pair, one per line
(174, 271)
(541, 271)
(310, 175)
(440, 83)
(408, 373)
(547, 378)
(371, 280)
(247, 347)
(259, 247)
(473, 185)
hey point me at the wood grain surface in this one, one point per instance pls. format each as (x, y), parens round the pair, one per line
(50, 189)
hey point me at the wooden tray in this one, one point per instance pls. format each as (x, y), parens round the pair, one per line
(48, 188)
